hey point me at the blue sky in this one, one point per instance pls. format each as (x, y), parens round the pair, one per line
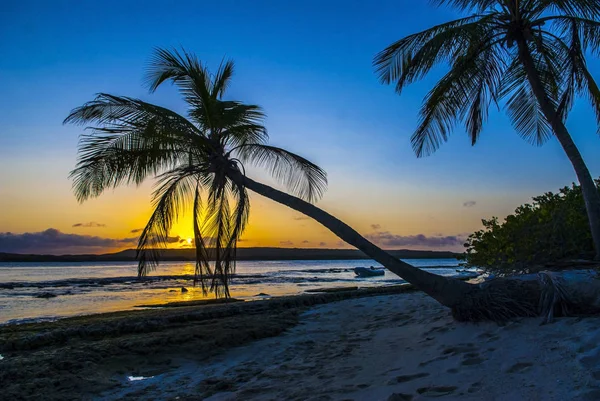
(309, 65)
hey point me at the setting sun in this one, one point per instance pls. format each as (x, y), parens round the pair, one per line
(189, 241)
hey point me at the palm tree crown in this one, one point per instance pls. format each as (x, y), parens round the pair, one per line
(485, 65)
(192, 159)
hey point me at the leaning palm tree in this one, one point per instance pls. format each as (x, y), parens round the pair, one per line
(200, 161)
(530, 53)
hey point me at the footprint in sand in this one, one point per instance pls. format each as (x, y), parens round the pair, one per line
(472, 361)
(472, 358)
(400, 397)
(436, 391)
(475, 387)
(519, 367)
(439, 329)
(439, 358)
(407, 378)
(460, 349)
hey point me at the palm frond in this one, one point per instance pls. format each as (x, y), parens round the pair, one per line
(241, 124)
(191, 77)
(526, 116)
(222, 78)
(218, 225)
(412, 57)
(237, 224)
(174, 190)
(522, 105)
(302, 177)
(133, 141)
(577, 34)
(468, 5)
(577, 8)
(465, 92)
(203, 269)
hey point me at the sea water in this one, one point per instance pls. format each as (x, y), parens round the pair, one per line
(48, 291)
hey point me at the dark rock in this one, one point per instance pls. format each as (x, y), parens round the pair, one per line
(183, 289)
(46, 295)
(262, 294)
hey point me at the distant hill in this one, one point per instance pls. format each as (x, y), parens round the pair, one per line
(243, 254)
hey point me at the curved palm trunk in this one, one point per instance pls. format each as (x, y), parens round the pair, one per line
(448, 292)
(588, 187)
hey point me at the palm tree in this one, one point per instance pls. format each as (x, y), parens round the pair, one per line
(199, 161)
(530, 53)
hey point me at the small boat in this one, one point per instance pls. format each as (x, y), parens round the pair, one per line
(369, 271)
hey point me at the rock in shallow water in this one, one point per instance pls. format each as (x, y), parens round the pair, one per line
(46, 295)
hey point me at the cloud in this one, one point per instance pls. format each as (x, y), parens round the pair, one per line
(375, 226)
(136, 230)
(88, 225)
(305, 242)
(387, 239)
(55, 241)
(322, 243)
(286, 243)
(469, 203)
(298, 218)
(172, 240)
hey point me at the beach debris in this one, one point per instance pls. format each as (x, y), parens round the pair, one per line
(46, 295)
(138, 378)
(183, 289)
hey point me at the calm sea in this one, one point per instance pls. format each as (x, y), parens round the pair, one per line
(47, 291)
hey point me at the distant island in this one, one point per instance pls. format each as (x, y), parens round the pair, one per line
(243, 254)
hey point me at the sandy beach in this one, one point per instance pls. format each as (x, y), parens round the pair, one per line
(388, 347)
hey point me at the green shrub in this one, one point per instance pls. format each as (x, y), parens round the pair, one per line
(552, 228)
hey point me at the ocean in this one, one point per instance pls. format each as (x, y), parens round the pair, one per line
(49, 291)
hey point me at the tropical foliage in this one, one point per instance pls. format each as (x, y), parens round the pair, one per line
(528, 56)
(551, 228)
(193, 160)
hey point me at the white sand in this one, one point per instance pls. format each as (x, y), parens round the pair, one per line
(401, 347)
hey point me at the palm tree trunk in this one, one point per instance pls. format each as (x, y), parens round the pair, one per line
(448, 292)
(588, 187)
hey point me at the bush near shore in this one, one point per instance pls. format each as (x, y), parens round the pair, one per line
(538, 236)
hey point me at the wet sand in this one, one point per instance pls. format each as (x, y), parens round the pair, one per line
(401, 346)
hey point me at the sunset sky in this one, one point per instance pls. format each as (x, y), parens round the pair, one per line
(309, 65)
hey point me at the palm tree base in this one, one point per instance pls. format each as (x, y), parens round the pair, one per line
(546, 294)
